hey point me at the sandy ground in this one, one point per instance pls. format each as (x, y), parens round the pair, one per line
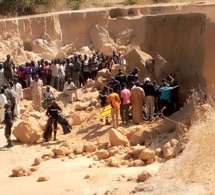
(66, 175)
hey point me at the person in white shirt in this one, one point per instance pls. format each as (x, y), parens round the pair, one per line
(55, 74)
(61, 73)
(48, 95)
(17, 87)
(2, 80)
(70, 89)
(3, 101)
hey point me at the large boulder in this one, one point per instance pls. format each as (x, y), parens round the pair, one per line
(102, 154)
(104, 73)
(20, 171)
(107, 49)
(147, 154)
(100, 36)
(28, 131)
(124, 37)
(159, 66)
(116, 138)
(79, 118)
(171, 149)
(68, 49)
(143, 176)
(140, 59)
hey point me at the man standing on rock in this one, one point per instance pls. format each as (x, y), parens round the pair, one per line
(137, 101)
(8, 121)
(36, 89)
(114, 100)
(8, 66)
(52, 112)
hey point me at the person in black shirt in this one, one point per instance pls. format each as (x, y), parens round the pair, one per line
(115, 85)
(103, 96)
(150, 94)
(8, 121)
(133, 76)
(53, 112)
(174, 96)
(120, 76)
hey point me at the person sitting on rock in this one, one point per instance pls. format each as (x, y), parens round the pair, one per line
(70, 88)
(48, 95)
(53, 112)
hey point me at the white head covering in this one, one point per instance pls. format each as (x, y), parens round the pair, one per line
(147, 79)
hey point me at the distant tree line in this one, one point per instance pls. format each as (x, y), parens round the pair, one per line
(28, 7)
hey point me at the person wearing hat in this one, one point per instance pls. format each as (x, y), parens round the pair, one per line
(8, 121)
(121, 60)
(52, 112)
(150, 94)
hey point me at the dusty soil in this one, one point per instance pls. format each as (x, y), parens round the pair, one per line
(67, 176)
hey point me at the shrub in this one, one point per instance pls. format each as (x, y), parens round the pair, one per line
(131, 2)
(24, 7)
(75, 4)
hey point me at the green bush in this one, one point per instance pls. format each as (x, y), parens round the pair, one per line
(75, 4)
(24, 7)
(131, 2)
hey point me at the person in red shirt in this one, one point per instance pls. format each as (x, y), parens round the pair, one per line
(45, 72)
(114, 100)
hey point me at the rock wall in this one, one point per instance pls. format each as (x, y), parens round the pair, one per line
(182, 34)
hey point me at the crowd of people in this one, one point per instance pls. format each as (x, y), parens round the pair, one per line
(135, 100)
(66, 75)
(139, 101)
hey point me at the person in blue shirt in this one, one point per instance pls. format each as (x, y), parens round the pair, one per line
(165, 98)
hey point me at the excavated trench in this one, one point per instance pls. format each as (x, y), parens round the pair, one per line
(182, 34)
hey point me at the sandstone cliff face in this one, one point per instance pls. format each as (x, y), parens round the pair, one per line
(183, 39)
